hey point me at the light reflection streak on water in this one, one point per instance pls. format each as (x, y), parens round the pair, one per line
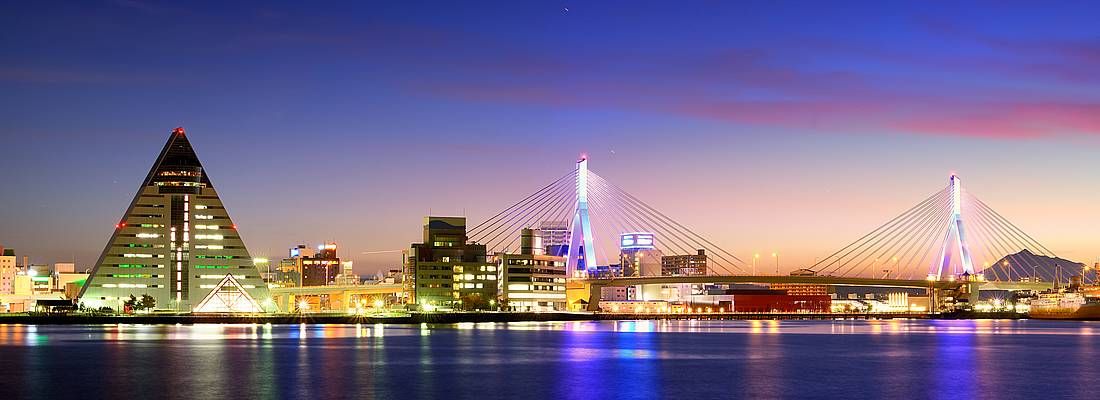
(32, 335)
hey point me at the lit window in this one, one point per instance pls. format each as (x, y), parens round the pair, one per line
(131, 255)
(209, 246)
(200, 207)
(148, 235)
(208, 237)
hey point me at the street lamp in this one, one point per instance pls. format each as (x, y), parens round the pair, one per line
(776, 255)
(754, 258)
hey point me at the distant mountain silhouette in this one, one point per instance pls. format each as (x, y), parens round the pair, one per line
(1027, 263)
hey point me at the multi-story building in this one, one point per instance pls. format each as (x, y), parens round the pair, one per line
(347, 275)
(7, 271)
(532, 280)
(555, 233)
(322, 268)
(63, 274)
(638, 254)
(684, 265)
(177, 243)
(307, 267)
(447, 272)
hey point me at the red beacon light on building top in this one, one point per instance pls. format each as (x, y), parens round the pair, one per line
(120, 225)
(178, 131)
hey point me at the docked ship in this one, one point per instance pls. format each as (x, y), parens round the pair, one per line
(1075, 302)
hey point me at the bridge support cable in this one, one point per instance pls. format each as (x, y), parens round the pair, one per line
(509, 221)
(997, 216)
(919, 255)
(644, 221)
(658, 216)
(834, 262)
(510, 228)
(873, 248)
(1019, 243)
(993, 245)
(1013, 235)
(647, 219)
(922, 248)
(480, 228)
(638, 220)
(899, 233)
(930, 224)
(561, 202)
(999, 243)
(828, 265)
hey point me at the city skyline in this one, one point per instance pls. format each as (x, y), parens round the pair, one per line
(350, 133)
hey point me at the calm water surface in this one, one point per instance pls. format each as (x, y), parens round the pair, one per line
(567, 360)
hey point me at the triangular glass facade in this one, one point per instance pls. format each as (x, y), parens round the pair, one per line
(176, 241)
(229, 296)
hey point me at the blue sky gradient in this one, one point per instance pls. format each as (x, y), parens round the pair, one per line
(790, 126)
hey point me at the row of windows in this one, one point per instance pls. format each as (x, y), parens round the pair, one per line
(178, 183)
(514, 261)
(435, 285)
(482, 268)
(129, 285)
(528, 271)
(134, 276)
(471, 277)
(180, 174)
(530, 279)
(433, 277)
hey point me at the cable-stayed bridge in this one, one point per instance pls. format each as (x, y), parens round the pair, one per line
(951, 240)
(588, 211)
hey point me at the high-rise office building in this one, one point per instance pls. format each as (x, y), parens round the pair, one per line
(447, 272)
(7, 271)
(177, 243)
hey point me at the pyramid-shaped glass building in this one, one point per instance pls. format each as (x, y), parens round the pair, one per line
(178, 244)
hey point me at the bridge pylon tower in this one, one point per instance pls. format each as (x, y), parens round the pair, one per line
(581, 242)
(954, 243)
(955, 246)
